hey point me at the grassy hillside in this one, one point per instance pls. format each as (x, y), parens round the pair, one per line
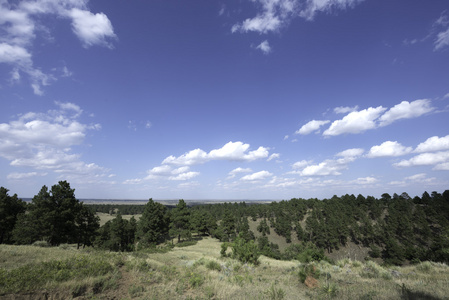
(198, 272)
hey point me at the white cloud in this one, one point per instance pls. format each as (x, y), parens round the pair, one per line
(274, 14)
(439, 159)
(19, 26)
(442, 38)
(184, 176)
(327, 167)
(353, 152)
(420, 178)
(311, 126)
(43, 141)
(264, 47)
(91, 29)
(273, 156)
(345, 109)
(301, 164)
(234, 151)
(257, 176)
(314, 6)
(238, 170)
(406, 110)
(434, 143)
(388, 148)
(14, 54)
(355, 122)
(365, 180)
(18, 176)
(263, 23)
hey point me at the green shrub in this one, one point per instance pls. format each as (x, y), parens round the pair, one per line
(246, 252)
(213, 265)
(275, 293)
(195, 279)
(307, 270)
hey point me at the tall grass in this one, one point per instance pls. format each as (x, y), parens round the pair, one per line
(198, 272)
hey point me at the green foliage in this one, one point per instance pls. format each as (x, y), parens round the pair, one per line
(56, 216)
(329, 290)
(307, 270)
(213, 265)
(275, 293)
(153, 225)
(186, 243)
(34, 276)
(180, 221)
(246, 252)
(117, 234)
(195, 279)
(10, 208)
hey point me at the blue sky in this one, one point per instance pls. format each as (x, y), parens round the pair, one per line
(260, 99)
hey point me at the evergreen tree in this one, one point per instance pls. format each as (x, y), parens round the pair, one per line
(153, 225)
(56, 217)
(10, 208)
(180, 221)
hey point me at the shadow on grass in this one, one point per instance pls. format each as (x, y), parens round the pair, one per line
(408, 294)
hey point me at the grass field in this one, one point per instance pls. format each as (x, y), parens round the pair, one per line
(198, 272)
(104, 217)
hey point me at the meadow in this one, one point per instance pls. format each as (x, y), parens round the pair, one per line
(199, 272)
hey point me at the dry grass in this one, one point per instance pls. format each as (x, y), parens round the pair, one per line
(104, 217)
(198, 272)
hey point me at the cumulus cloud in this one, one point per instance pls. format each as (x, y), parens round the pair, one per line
(365, 180)
(434, 143)
(355, 122)
(234, 151)
(170, 173)
(327, 167)
(19, 27)
(353, 152)
(238, 170)
(43, 141)
(438, 159)
(257, 176)
(91, 29)
(388, 148)
(312, 126)
(264, 47)
(301, 164)
(345, 109)
(406, 110)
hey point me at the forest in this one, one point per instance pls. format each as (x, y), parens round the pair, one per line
(396, 228)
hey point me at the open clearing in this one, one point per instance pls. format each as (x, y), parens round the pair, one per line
(198, 272)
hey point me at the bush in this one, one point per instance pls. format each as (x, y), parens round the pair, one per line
(213, 265)
(308, 270)
(246, 252)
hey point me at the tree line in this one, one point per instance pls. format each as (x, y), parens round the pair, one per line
(396, 228)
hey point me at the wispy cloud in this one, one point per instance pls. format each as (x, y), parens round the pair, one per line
(264, 47)
(274, 14)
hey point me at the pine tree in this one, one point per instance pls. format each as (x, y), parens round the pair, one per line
(10, 208)
(180, 221)
(153, 225)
